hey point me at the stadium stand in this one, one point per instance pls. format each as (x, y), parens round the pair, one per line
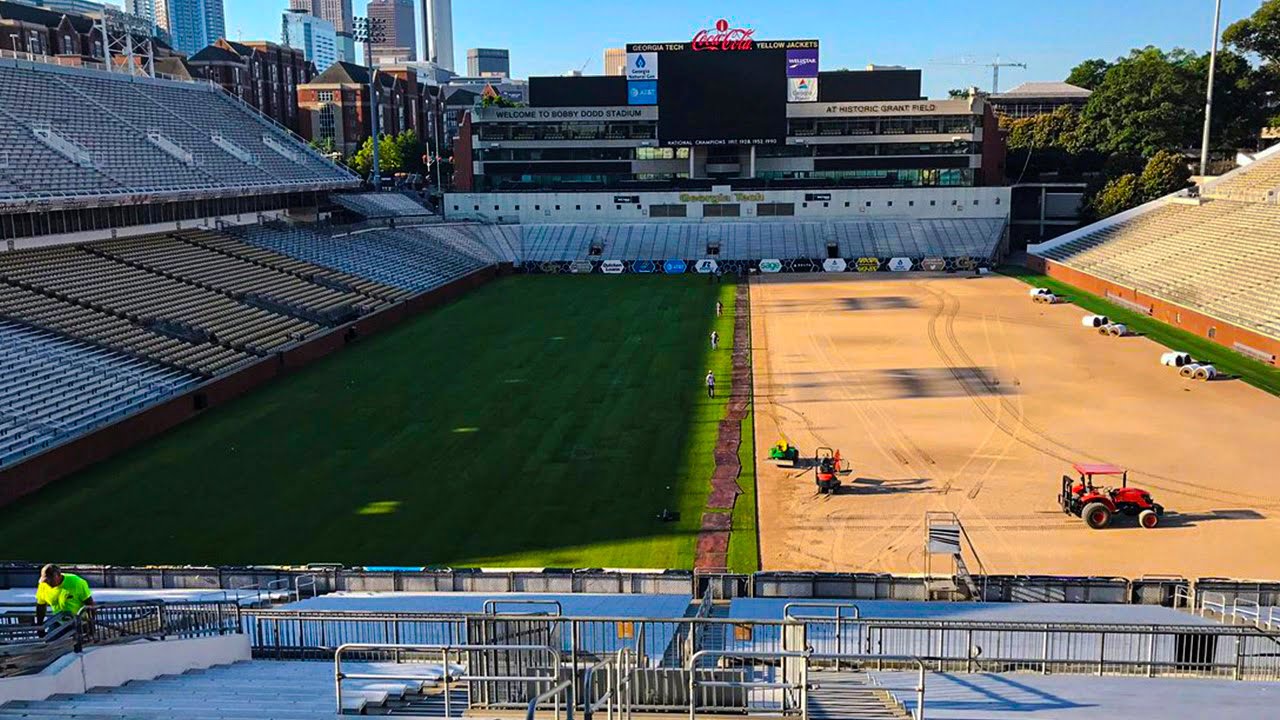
(742, 241)
(381, 205)
(85, 133)
(399, 258)
(1216, 256)
(53, 388)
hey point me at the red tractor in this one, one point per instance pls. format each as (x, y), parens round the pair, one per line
(1098, 505)
(827, 467)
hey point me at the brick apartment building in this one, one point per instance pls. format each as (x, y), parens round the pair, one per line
(27, 29)
(263, 74)
(335, 105)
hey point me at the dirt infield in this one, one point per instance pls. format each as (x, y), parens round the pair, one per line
(960, 394)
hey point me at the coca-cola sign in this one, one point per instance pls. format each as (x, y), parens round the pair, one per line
(724, 38)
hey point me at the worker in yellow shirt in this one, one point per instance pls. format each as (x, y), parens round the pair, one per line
(64, 593)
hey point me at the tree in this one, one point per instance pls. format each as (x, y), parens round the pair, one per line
(390, 159)
(498, 100)
(1058, 130)
(1089, 74)
(1116, 196)
(1146, 102)
(1166, 172)
(411, 150)
(1258, 34)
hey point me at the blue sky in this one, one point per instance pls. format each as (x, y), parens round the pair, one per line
(550, 37)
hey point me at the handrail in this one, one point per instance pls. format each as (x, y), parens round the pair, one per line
(444, 650)
(553, 693)
(1246, 609)
(1208, 602)
(802, 686)
(301, 581)
(838, 607)
(491, 605)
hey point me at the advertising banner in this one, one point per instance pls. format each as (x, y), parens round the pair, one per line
(581, 267)
(802, 63)
(707, 266)
(803, 265)
(802, 90)
(642, 66)
(900, 264)
(770, 266)
(642, 92)
(933, 264)
(868, 264)
(643, 266)
(674, 267)
(612, 267)
(835, 265)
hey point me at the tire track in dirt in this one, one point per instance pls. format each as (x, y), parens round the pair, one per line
(1047, 447)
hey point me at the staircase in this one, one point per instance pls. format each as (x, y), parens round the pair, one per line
(945, 536)
(851, 695)
(252, 691)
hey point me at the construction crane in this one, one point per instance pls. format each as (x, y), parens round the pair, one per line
(994, 65)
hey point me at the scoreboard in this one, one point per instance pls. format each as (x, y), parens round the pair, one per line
(724, 88)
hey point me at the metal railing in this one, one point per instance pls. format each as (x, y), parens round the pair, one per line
(446, 653)
(304, 581)
(818, 632)
(491, 606)
(793, 686)
(27, 647)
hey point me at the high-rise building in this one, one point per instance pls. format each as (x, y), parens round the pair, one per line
(437, 19)
(488, 62)
(615, 61)
(337, 12)
(314, 36)
(192, 25)
(70, 7)
(401, 36)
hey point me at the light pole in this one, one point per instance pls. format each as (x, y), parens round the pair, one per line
(1208, 101)
(371, 31)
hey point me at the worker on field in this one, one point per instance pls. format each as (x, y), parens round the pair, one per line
(719, 309)
(711, 384)
(715, 340)
(66, 594)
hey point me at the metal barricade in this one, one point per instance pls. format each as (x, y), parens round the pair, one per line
(792, 685)
(446, 652)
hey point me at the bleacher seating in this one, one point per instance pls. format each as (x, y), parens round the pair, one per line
(113, 133)
(381, 204)
(1252, 183)
(977, 237)
(53, 388)
(1220, 257)
(400, 258)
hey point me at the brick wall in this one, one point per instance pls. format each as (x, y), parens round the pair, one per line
(1178, 316)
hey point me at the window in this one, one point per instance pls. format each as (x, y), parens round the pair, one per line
(890, 203)
(933, 203)
(577, 207)
(975, 202)
(328, 124)
(846, 203)
(597, 207)
(668, 211)
(324, 96)
(776, 209)
(66, 44)
(1213, 333)
(726, 210)
(496, 208)
(477, 207)
(517, 208)
(557, 207)
(868, 203)
(537, 207)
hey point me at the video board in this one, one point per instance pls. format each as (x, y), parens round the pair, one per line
(723, 88)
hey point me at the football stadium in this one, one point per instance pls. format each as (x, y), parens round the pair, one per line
(657, 412)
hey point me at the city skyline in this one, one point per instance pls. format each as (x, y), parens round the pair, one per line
(552, 39)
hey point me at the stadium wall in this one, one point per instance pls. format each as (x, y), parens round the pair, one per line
(822, 204)
(88, 236)
(1179, 316)
(79, 453)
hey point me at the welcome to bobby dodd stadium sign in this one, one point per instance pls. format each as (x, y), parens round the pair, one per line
(566, 114)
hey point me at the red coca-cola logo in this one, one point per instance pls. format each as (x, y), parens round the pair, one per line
(724, 38)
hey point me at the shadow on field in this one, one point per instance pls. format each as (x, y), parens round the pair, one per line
(899, 383)
(1177, 519)
(879, 486)
(538, 421)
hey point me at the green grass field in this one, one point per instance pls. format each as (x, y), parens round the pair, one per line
(539, 421)
(1260, 375)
